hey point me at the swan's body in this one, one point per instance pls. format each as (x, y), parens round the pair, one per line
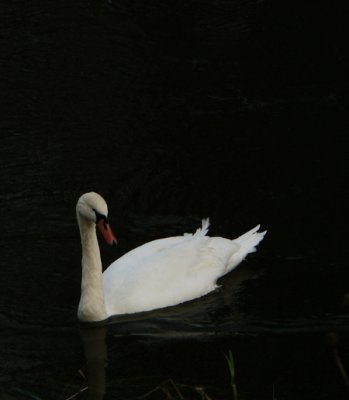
(158, 274)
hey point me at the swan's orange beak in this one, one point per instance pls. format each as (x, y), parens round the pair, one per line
(107, 233)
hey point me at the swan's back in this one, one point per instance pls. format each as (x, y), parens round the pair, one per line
(173, 270)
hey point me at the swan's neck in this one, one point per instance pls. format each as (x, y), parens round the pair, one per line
(91, 306)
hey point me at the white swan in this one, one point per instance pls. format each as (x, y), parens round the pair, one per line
(158, 274)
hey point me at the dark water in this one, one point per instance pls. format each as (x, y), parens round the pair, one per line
(175, 111)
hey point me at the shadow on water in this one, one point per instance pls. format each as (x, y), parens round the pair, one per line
(175, 111)
(95, 347)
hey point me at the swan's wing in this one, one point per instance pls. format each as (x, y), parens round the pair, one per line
(157, 248)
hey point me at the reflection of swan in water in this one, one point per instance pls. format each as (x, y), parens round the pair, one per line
(159, 274)
(94, 340)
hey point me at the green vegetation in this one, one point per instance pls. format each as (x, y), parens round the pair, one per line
(230, 361)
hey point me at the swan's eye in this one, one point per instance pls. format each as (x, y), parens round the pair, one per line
(100, 217)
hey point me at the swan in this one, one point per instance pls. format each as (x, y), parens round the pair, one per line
(158, 274)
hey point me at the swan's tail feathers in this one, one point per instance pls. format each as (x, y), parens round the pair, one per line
(247, 244)
(251, 238)
(204, 228)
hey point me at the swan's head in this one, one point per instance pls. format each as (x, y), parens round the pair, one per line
(91, 207)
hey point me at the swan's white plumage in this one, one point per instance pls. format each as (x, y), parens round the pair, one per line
(169, 271)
